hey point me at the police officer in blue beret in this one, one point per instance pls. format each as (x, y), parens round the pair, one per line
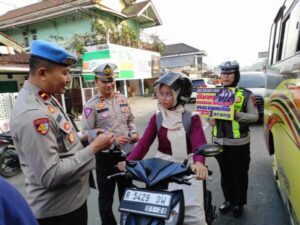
(109, 111)
(55, 163)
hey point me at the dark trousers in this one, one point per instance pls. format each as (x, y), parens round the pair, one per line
(77, 217)
(105, 163)
(234, 165)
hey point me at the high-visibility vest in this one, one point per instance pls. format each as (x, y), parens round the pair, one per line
(233, 129)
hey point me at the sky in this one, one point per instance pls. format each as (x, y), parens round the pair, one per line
(225, 29)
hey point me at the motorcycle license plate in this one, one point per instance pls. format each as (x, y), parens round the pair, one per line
(145, 202)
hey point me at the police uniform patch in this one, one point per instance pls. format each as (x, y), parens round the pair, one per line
(102, 110)
(66, 126)
(58, 119)
(87, 112)
(41, 125)
(51, 109)
(123, 100)
(104, 114)
(69, 60)
(71, 137)
(44, 95)
(238, 99)
(107, 70)
(125, 109)
(100, 105)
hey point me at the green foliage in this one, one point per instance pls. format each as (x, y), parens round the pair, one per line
(106, 31)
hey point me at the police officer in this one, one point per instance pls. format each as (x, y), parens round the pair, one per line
(55, 163)
(235, 137)
(109, 111)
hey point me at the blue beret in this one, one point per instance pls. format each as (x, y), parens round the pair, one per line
(105, 71)
(52, 52)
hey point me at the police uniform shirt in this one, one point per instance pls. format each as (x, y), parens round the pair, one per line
(55, 163)
(112, 115)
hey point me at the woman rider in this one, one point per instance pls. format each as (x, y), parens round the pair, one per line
(174, 143)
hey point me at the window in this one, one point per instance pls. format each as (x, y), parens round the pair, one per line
(283, 35)
(25, 38)
(298, 45)
(33, 34)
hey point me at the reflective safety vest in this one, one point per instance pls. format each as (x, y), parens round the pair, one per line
(233, 129)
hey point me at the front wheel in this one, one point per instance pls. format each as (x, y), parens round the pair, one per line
(9, 163)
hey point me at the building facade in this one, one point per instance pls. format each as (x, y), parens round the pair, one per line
(78, 25)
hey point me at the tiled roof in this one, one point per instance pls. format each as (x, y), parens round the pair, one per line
(22, 58)
(53, 8)
(33, 8)
(180, 48)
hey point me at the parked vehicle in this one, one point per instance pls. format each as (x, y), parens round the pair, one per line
(256, 83)
(154, 204)
(200, 83)
(9, 160)
(282, 105)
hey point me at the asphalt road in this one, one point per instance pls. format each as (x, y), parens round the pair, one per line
(264, 204)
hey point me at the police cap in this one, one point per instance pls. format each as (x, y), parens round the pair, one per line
(105, 72)
(52, 52)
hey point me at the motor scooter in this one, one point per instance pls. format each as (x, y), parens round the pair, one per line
(9, 160)
(153, 204)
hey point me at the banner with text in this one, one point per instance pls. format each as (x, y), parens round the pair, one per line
(216, 103)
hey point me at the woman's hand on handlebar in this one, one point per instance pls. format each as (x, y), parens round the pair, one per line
(121, 165)
(200, 170)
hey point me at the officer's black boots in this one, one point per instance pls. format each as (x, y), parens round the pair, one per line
(225, 207)
(237, 210)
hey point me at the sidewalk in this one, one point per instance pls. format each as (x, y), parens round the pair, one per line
(141, 106)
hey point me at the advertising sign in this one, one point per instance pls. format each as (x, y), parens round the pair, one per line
(216, 103)
(132, 63)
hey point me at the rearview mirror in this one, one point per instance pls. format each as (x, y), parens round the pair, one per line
(209, 150)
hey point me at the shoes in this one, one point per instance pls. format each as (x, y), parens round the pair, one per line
(237, 210)
(225, 207)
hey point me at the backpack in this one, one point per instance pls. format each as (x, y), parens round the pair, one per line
(186, 118)
(210, 210)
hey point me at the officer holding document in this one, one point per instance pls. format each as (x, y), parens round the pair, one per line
(110, 112)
